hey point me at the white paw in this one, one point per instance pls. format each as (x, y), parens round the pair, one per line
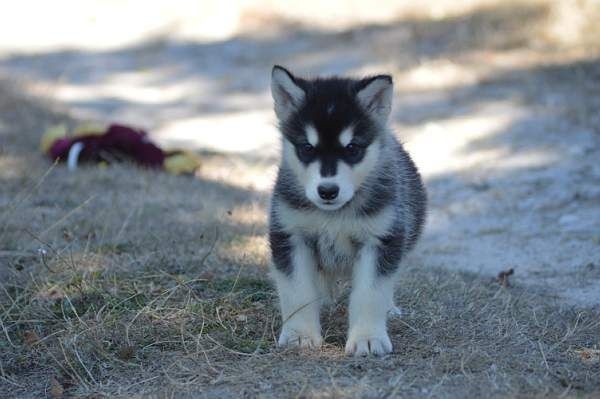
(297, 338)
(375, 344)
(395, 312)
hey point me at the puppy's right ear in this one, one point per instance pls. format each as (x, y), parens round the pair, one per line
(287, 94)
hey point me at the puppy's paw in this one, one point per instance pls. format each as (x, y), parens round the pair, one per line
(364, 345)
(395, 312)
(297, 338)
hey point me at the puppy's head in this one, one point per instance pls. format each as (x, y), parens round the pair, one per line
(331, 130)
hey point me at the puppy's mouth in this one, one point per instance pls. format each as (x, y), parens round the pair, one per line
(330, 205)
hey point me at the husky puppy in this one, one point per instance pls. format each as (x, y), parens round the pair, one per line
(348, 201)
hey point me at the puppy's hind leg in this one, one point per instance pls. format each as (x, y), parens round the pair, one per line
(300, 298)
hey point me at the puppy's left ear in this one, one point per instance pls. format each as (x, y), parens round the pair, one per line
(375, 95)
(286, 91)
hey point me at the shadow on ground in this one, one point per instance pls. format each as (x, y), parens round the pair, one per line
(162, 79)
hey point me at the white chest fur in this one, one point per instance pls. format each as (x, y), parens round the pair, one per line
(336, 236)
(335, 252)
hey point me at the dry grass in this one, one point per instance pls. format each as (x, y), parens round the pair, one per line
(124, 282)
(169, 329)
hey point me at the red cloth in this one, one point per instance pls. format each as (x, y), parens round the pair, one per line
(119, 143)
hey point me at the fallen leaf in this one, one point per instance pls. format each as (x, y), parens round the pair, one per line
(242, 318)
(206, 275)
(127, 352)
(67, 235)
(56, 389)
(503, 277)
(589, 355)
(30, 338)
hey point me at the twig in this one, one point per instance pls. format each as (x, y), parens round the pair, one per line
(7, 378)
(211, 248)
(81, 361)
(544, 357)
(75, 311)
(6, 333)
(237, 278)
(81, 380)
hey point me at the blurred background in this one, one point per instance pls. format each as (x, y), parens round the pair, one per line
(498, 101)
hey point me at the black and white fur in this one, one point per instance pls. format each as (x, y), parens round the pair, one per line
(348, 201)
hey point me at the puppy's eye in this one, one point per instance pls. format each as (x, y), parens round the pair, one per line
(306, 152)
(306, 149)
(354, 151)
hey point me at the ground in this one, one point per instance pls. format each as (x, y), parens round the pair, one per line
(124, 282)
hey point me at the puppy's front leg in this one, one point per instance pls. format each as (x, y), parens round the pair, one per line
(299, 298)
(370, 300)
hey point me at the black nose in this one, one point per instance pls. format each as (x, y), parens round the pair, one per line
(328, 191)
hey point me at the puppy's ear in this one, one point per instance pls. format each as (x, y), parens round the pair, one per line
(375, 96)
(287, 93)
